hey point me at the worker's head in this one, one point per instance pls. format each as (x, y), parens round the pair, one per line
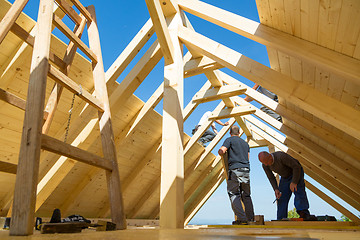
(234, 130)
(265, 158)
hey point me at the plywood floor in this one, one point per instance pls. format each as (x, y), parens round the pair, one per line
(239, 232)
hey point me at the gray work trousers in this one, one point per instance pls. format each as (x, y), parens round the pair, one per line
(238, 187)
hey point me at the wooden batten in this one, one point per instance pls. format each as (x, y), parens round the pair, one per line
(232, 112)
(64, 149)
(82, 9)
(10, 17)
(218, 93)
(65, 6)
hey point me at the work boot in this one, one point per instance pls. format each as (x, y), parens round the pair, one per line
(240, 222)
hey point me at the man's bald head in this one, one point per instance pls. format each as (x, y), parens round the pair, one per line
(234, 130)
(266, 158)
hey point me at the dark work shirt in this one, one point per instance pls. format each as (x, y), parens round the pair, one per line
(238, 152)
(284, 165)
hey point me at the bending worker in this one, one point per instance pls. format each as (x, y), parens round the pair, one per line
(291, 181)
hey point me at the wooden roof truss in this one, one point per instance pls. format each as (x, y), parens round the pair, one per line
(317, 84)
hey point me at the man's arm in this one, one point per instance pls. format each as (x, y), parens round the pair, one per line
(221, 123)
(214, 128)
(222, 150)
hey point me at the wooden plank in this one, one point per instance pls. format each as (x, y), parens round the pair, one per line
(8, 167)
(332, 203)
(161, 29)
(25, 36)
(128, 54)
(106, 130)
(200, 65)
(69, 84)
(232, 112)
(169, 7)
(10, 17)
(82, 9)
(309, 99)
(12, 99)
(69, 11)
(68, 33)
(28, 167)
(56, 146)
(218, 93)
(172, 157)
(341, 64)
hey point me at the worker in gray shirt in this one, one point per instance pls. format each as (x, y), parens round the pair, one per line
(291, 181)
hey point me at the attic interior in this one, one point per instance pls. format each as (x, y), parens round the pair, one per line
(314, 52)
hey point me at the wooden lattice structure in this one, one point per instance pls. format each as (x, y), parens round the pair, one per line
(314, 52)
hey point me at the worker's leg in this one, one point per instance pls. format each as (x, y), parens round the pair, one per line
(271, 113)
(245, 195)
(233, 188)
(207, 136)
(301, 201)
(283, 201)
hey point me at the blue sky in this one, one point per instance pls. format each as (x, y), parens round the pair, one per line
(119, 21)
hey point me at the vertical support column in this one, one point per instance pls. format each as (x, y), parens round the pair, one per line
(22, 222)
(172, 157)
(106, 130)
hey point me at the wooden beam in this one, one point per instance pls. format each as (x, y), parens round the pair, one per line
(10, 17)
(128, 54)
(326, 108)
(172, 158)
(332, 203)
(68, 33)
(243, 126)
(8, 167)
(82, 9)
(325, 58)
(161, 29)
(26, 37)
(218, 93)
(200, 65)
(69, 84)
(56, 146)
(106, 130)
(169, 7)
(22, 220)
(232, 112)
(65, 6)
(12, 99)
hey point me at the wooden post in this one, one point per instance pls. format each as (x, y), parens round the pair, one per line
(22, 222)
(172, 158)
(107, 135)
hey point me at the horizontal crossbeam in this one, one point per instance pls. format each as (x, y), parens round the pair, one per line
(56, 146)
